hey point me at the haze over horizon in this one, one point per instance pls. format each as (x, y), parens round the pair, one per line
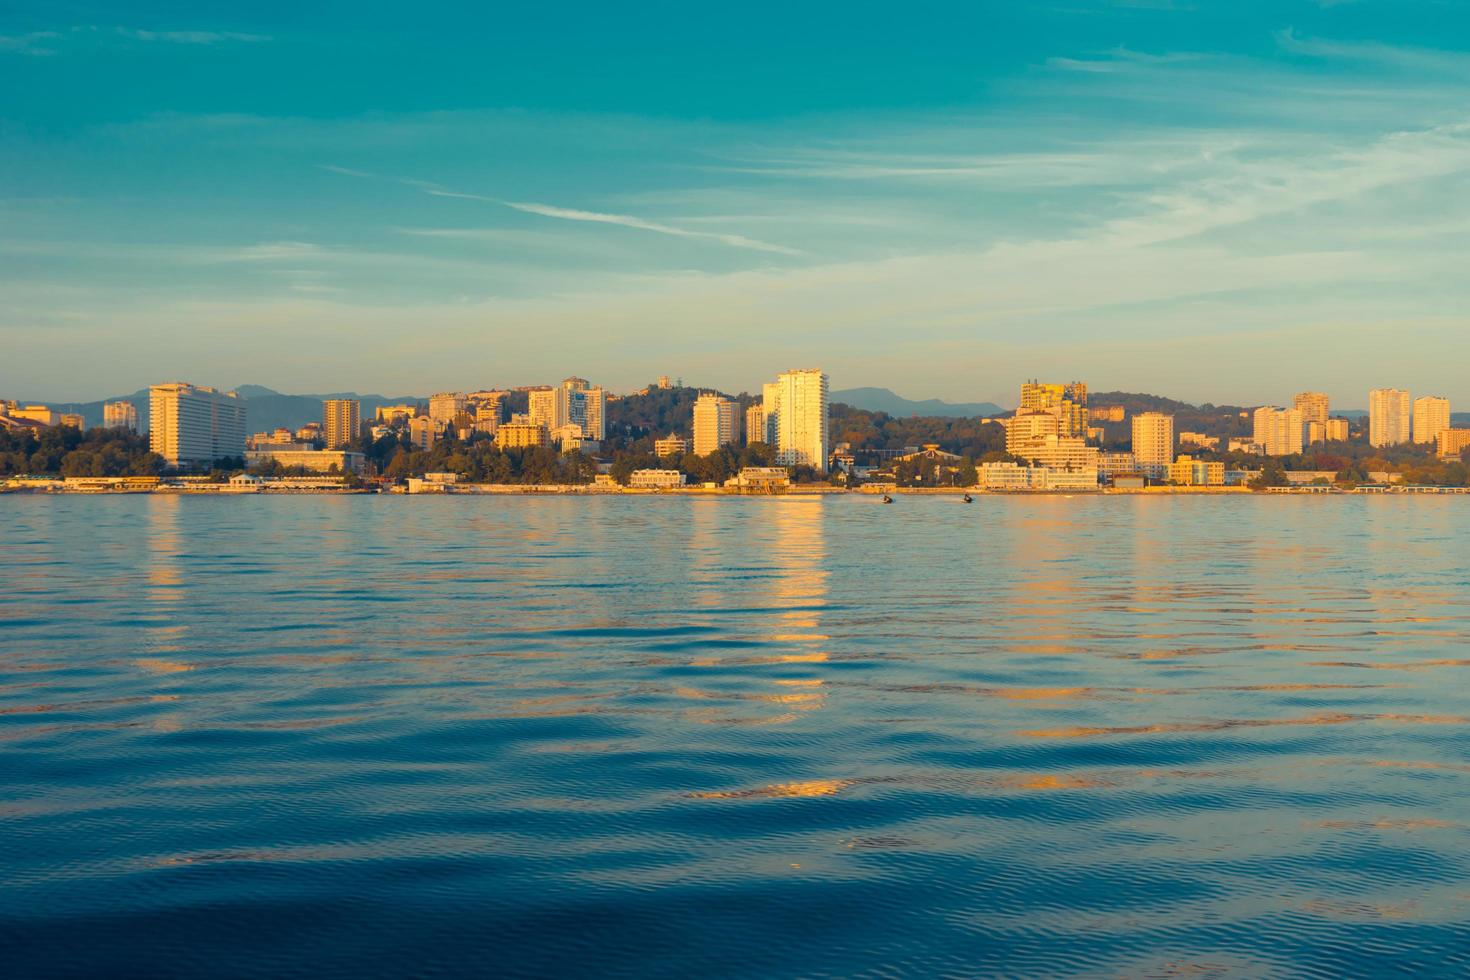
(1217, 202)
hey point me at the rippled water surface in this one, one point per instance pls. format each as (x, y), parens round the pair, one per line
(773, 737)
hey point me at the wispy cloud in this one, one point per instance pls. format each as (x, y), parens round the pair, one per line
(575, 214)
(32, 43)
(52, 41)
(190, 37)
(627, 221)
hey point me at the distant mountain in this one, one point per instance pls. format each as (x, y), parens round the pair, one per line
(265, 408)
(883, 400)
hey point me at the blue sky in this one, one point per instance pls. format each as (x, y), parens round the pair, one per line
(1220, 201)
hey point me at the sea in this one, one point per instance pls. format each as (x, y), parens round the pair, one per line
(360, 736)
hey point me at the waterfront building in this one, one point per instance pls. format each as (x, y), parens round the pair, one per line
(1111, 464)
(716, 423)
(74, 420)
(760, 479)
(755, 423)
(521, 434)
(341, 421)
(670, 445)
(801, 419)
(1186, 471)
(312, 460)
(1388, 416)
(1431, 417)
(1153, 443)
(120, 415)
(1337, 430)
(424, 431)
(1061, 453)
(191, 424)
(1313, 405)
(1278, 431)
(655, 479)
(444, 406)
(1452, 443)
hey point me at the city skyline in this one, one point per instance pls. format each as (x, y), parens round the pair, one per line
(1139, 192)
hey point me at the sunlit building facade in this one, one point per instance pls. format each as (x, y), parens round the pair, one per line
(716, 423)
(120, 415)
(1431, 417)
(341, 421)
(191, 424)
(1278, 431)
(1153, 443)
(1389, 416)
(801, 418)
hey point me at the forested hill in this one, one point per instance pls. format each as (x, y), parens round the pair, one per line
(659, 412)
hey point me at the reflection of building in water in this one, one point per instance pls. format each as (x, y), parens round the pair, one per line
(798, 559)
(164, 592)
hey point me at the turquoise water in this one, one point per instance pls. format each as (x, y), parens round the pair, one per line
(768, 737)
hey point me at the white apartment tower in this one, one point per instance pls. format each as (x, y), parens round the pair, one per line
(1388, 416)
(1278, 431)
(716, 423)
(120, 415)
(1153, 442)
(801, 418)
(190, 424)
(1431, 417)
(755, 423)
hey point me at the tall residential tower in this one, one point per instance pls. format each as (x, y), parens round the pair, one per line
(191, 424)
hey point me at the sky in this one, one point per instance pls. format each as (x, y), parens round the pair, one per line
(1223, 202)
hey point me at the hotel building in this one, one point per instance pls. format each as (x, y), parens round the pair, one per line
(1314, 406)
(191, 424)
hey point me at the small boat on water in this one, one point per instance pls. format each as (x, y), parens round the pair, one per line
(968, 499)
(887, 499)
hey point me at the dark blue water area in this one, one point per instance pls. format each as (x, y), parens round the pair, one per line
(663, 737)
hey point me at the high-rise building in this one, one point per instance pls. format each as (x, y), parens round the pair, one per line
(1388, 416)
(192, 424)
(341, 421)
(120, 415)
(444, 406)
(1337, 430)
(1313, 405)
(1431, 417)
(576, 402)
(1067, 402)
(755, 423)
(802, 419)
(1153, 443)
(771, 410)
(541, 407)
(1278, 431)
(716, 423)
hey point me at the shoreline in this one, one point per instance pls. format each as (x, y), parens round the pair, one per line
(557, 490)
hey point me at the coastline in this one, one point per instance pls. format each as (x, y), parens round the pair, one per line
(89, 488)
